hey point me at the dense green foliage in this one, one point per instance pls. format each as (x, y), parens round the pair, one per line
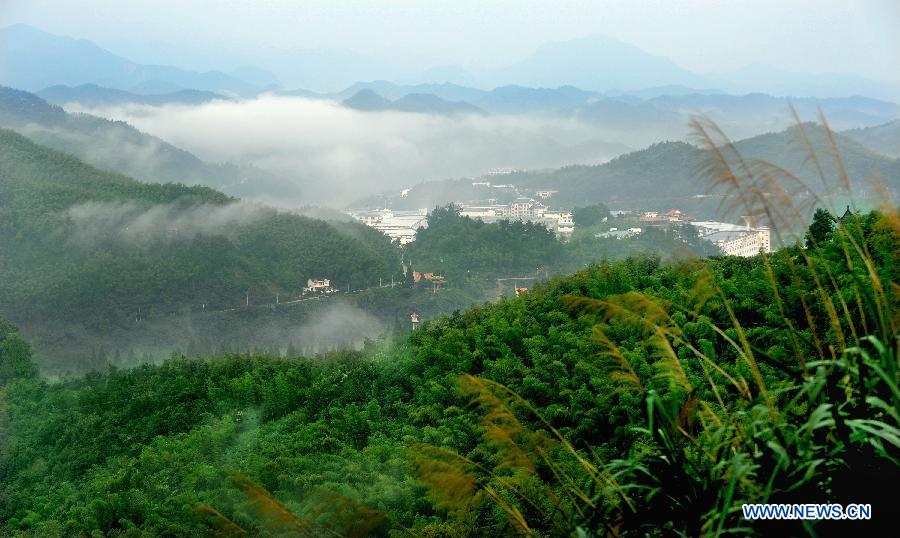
(92, 247)
(15, 355)
(456, 246)
(592, 215)
(136, 449)
(468, 250)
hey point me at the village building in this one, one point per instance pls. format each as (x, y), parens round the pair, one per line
(318, 286)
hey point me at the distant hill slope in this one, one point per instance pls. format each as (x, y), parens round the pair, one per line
(97, 249)
(119, 147)
(662, 176)
(881, 138)
(93, 95)
(33, 60)
(422, 103)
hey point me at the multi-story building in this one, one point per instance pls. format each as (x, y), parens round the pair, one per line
(525, 209)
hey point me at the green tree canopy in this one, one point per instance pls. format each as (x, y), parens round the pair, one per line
(15, 355)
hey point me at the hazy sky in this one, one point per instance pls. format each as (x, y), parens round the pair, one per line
(856, 37)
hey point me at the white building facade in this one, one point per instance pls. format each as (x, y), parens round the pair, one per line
(400, 226)
(734, 239)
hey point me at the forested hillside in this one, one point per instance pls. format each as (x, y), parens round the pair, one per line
(119, 147)
(669, 174)
(99, 250)
(598, 396)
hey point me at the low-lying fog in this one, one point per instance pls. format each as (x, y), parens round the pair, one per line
(340, 154)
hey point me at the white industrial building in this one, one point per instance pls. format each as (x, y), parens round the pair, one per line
(735, 239)
(400, 226)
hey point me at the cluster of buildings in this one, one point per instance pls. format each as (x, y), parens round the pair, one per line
(400, 226)
(733, 239)
(616, 233)
(524, 209)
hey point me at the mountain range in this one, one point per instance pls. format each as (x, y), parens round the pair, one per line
(33, 60)
(631, 119)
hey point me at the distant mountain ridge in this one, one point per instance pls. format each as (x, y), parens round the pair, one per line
(93, 95)
(33, 60)
(425, 103)
(635, 119)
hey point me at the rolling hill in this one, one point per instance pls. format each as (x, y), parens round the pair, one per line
(88, 252)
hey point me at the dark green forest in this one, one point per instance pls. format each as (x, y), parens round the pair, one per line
(102, 251)
(581, 407)
(639, 386)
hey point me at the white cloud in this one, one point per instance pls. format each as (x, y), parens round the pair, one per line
(127, 222)
(341, 154)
